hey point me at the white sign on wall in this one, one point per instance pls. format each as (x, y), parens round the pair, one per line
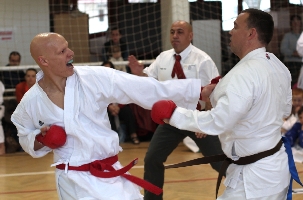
(20, 22)
(6, 34)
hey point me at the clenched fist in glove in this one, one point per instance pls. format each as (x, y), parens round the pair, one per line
(55, 137)
(162, 109)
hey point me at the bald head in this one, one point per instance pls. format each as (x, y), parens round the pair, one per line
(184, 24)
(42, 43)
(51, 53)
(181, 35)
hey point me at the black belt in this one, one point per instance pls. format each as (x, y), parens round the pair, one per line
(227, 161)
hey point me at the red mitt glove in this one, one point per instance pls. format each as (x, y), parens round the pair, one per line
(162, 109)
(54, 138)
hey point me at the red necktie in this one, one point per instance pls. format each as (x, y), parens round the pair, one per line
(178, 68)
(180, 74)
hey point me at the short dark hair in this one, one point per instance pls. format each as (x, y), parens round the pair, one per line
(108, 62)
(114, 29)
(14, 53)
(262, 22)
(31, 69)
(292, 17)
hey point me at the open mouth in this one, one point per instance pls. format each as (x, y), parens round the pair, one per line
(69, 63)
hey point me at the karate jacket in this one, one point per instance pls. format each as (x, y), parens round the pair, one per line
(88, 93)
(249, 103)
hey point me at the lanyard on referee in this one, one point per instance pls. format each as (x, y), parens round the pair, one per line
(292, 168)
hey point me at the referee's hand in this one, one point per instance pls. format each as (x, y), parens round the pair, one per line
(135, 66)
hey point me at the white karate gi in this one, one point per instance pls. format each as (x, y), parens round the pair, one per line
(88, 92)
(249, 105)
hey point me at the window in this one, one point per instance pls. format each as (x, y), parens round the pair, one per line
(97, 12)
(142, 1)
(230, 10)
(298, 2)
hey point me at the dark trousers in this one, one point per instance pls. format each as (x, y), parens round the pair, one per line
(127, 117)
(165, 139)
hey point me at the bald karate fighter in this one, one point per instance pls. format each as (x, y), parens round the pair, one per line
(76, 99)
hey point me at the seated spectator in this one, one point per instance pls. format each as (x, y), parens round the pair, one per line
(2, 136)
(295, 134)
(145, 125)
(292, 59)
(289, 41)
(11, 134)
(297, 99)
(116, 56)
(118, 113)
(14, 59)
(23, 87)
(11, 78)
(115, 44)
(297, 103)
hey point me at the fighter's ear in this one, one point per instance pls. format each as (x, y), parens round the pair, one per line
(252, 33)
(191, 36)
(42, 61)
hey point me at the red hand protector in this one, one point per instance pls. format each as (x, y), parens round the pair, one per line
(54, 138)
(162, 109)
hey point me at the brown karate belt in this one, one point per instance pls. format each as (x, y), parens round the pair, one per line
(227, 161)
(97, 168)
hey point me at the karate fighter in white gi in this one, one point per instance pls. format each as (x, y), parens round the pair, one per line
(76, 99)
(249, 104)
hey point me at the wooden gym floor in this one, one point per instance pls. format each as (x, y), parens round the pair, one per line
(23, 177)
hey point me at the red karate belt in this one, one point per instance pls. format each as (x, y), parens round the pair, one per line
(97, 168)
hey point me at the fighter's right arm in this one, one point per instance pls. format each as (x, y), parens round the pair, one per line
(27, 133)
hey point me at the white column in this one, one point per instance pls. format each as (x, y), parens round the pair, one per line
(171, 11)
